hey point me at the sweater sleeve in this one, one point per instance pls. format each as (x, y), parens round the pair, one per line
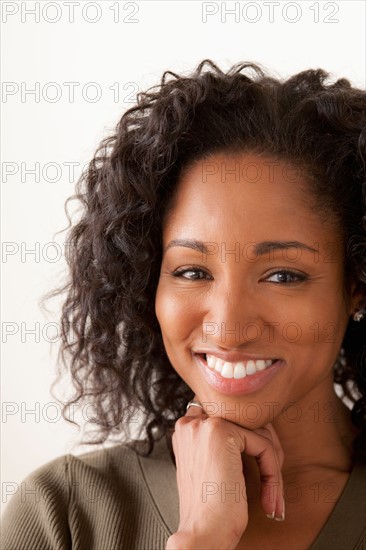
(36, 517)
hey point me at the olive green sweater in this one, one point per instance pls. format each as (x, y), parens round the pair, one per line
(113, 499)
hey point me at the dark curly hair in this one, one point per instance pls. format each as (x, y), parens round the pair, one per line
(111, 340)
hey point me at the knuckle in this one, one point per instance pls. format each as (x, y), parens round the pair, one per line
(182, 421)
(214, 427)
(186, 425)
(213, 422)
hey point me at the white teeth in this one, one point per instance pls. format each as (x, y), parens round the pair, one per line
(250, 368)
(260, 365)
(227, 370)
(241, 369)
(211, 361)
(219, 364)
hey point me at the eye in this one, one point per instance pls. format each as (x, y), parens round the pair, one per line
(191, 273)
(284, 276)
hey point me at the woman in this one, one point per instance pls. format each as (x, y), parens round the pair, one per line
(218, 284)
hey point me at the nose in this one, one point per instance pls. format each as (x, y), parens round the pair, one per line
(233, 316)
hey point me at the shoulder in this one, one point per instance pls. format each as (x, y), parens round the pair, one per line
(62, 472)
(93, 498)
(77, 475)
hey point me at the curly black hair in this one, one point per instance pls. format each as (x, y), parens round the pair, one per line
(111, 339)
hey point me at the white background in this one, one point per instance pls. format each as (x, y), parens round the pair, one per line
(102, 45)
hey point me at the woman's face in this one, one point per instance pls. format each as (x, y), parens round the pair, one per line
(250, 300)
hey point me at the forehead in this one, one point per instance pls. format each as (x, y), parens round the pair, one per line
(245, 196)
(242, 175)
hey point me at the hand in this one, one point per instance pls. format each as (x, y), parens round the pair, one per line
(211, 485)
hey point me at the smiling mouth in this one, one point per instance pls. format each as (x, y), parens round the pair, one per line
(237, 370)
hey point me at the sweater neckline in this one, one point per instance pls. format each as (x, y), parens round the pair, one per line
(343, 529)
(160, 475)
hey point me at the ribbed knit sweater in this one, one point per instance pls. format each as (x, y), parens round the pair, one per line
(114, 499)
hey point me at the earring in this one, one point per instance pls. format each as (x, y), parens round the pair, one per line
(358, 316)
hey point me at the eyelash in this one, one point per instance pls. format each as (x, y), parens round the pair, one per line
(299, 277)
(180, 272)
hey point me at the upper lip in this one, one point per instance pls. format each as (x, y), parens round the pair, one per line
(233, 356)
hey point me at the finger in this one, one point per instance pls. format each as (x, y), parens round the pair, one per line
(262, 449)
(280, 504)
(269, 433)
(196, 409)
(192, 413)
(276, 443)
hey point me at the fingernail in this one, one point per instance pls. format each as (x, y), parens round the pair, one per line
(281, 518)
(271, 516)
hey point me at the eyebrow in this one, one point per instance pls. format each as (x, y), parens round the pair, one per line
(260, 248)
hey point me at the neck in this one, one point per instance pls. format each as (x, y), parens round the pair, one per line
(316, 432)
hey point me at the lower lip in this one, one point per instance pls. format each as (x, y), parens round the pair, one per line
(238, 386)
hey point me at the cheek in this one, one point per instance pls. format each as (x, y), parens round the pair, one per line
(178, 322)
(176, 313)
(314, 326)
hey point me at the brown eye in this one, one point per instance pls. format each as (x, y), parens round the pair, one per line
(286, 277)
(192, 274)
